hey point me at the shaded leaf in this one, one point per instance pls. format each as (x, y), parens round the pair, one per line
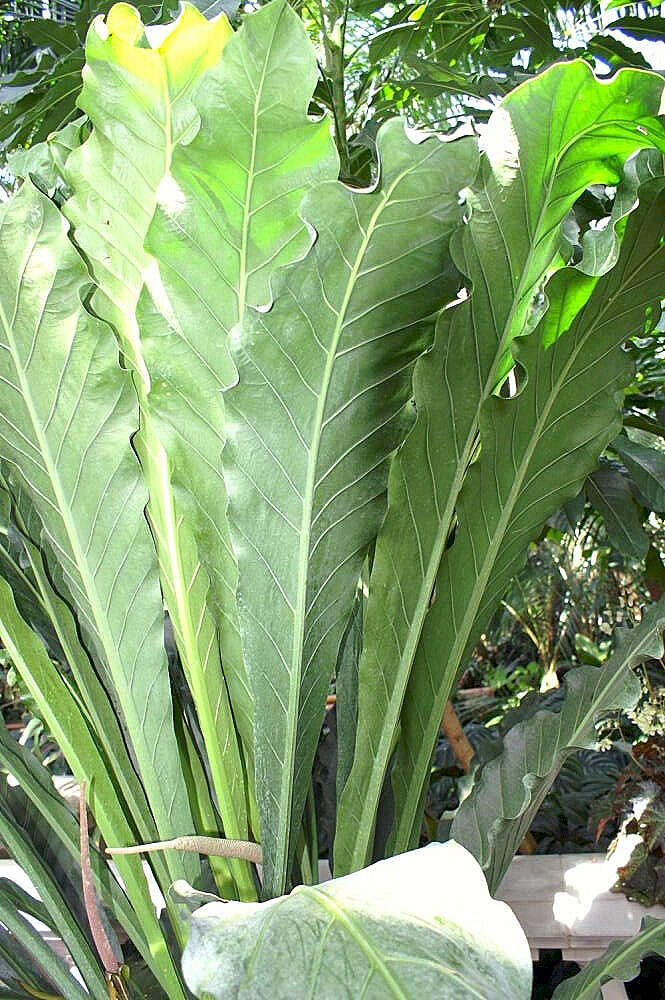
(621, 961)
(608, 491)
(647, 468)
(509, 790)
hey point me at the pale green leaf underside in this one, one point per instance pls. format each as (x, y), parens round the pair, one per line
(140, 99)
(67, 413)
(411, 927)
(517, 204)
(227, 217)
(320, 405)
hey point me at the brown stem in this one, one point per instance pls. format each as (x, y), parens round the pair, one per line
(99, 936)
(457, 738)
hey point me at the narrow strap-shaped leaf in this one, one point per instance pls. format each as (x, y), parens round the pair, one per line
(60, 915)
(36, 784)
(228, 215)
(620, 961)
(52, 965)
(523, 192)
(95, 699)
(536, 450)
(508, 790)
(67, 414)
(19, 969)
(69, 729)
(346, 688)
(321, 403)
(25, 902)
(26, 594)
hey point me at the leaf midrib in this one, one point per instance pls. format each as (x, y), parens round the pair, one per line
(414, 633)
(391, 716)
(286, 791)
(332, 908)
(65, 512)
(243, 275)
(482, 576)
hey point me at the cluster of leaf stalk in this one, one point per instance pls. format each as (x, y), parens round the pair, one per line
(318, 428)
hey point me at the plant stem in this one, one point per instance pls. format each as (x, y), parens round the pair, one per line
(459, 741)
(333, 34)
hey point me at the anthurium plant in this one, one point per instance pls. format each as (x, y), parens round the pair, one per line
(261, 431)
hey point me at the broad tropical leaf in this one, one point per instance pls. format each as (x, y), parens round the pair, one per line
(641, 28)
(67, 414)
(535, 452)
(140, 96)
(508, 248)
(321, 403)
(508, 791)
(410, 927)
(621, 961)
(228, 215)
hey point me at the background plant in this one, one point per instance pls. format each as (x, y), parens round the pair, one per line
(209, 412)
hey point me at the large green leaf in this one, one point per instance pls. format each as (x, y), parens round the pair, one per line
(321, 403)
(642, 28)
(621, 961)
(227, 216)
(535, 452)
(524, 191)
(416, 926)
(139, 97)
(508, 791)
(67, 414)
